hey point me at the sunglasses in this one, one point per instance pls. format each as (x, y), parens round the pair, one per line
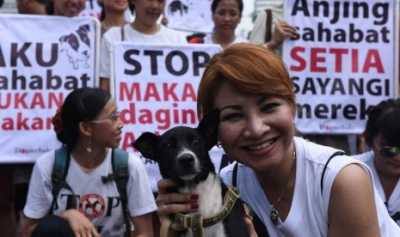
(390, 151)
(114, 116)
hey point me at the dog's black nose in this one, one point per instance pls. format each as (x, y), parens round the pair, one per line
(186, 160)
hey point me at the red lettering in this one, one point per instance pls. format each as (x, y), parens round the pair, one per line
(20, 102)
(316, 58)
(129, 92)
(151, 91)
(169, 91)
(55, 100)
(338, 58)
(22, 123)
(295, 54)
(189, 93)
(37, 101)
(373, 60)
(127, 140)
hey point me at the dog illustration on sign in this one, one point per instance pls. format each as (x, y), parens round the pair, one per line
(76, 45)
(177, 6)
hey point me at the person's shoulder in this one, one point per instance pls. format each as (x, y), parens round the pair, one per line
(44, 164)
(364, 157)
(173, 35)
(312, 151)
(226, 173)
(113, 34)
(134, 161)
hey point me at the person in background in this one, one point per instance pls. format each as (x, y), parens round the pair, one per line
(382, 135)
(35, 7)
(69, 8)
(89, 127)
(144, 29)
(226, 15)
(270, 28)
(112, 13)
(295, 187)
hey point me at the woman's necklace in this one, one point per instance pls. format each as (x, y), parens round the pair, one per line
(274, 215)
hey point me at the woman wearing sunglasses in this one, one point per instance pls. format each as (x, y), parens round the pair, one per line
(382, 135)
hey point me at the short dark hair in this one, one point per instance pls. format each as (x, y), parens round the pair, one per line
(83, 104)
(1, 3)
(215, 3)
(384, 119)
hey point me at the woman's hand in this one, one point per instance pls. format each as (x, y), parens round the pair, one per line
(170, 202)
(282, 31)
(80, 224)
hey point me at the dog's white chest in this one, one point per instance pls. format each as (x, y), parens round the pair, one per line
(210, 203)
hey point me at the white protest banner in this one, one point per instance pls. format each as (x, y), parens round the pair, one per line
(156, 89)
(342, 63)
(42, 59)
(189, 15)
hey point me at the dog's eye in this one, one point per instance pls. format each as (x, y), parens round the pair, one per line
(169, 144)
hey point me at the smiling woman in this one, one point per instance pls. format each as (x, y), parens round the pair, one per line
(291, 184)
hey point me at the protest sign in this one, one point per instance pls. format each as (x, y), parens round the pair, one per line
(38, 68)
(189, 15)
(156, 89)
(342, 63)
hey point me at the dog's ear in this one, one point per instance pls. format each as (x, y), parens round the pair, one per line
(146, 144)
(208, 127)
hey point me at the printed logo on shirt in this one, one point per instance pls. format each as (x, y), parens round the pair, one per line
(92, 206)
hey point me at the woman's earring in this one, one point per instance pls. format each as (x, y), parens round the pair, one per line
(89, 146)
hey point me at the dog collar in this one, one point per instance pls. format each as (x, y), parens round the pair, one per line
(195, 221)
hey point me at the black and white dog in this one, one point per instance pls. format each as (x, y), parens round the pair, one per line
(182, 155)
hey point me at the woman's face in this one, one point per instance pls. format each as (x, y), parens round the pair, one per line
(68, 8)
(387, 163)
(31, 7)
(254, 130)
(107, 127)
(148, 11)
(226, 16)
(115, 5)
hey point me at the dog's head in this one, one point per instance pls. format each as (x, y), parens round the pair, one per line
(182, 152)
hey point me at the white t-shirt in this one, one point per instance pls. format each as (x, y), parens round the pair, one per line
(393, 202)
(163, 36)
(308, 213)
(208, 39)
(98, 201)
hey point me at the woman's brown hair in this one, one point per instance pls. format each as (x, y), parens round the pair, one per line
(248, 67)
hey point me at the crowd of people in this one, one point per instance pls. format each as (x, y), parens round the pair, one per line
(295, 186)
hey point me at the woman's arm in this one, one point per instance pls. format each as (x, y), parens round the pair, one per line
(143, 225)
(282, 31)
(352, 211)
(27, 225)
